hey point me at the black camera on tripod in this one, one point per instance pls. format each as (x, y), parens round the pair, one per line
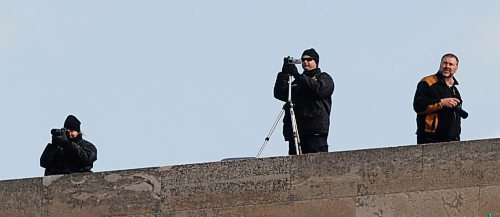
(58, 132)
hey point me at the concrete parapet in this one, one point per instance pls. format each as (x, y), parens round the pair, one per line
(443, 179)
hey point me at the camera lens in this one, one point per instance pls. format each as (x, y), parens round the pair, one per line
(56, 132)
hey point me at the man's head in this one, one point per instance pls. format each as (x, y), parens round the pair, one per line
(449, 65)
(310, 59)
(73, 125)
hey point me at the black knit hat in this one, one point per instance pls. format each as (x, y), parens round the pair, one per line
(72, 123)
(313, 54)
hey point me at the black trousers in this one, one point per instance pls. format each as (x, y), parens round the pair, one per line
(309, 144)
(424, 138)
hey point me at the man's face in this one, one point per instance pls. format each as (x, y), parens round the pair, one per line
(73, 134)
(448, 67)
(308, 63)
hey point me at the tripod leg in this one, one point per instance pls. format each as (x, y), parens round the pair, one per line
(295, 131)
(270, 133)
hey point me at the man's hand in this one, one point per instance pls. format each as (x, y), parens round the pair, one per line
(450, 102)
(289, 69)
(60, 140)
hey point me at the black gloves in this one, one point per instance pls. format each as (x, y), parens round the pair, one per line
(60, 140)
(287, 106)
(290, 69)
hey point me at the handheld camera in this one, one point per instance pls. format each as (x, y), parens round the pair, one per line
(58, 132)
(292, 61)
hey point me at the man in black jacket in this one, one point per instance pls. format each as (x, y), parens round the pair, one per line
(438, 104)
(312, 98)
(69, 152)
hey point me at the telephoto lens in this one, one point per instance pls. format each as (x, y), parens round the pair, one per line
(57, 132)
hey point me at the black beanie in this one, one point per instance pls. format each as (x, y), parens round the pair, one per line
(313, 54)
(72, 123)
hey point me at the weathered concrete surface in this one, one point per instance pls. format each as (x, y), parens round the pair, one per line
(489, 199)
(354, 173)
(461, 164)
(449, 202)
(112, 193)
(446, 179)
(225, 184)
(20, 197)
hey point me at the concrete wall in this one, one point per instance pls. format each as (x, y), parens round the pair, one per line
(446, 179)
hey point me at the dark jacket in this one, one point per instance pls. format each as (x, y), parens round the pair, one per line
(312, 98)
(438, 123)
(74, 156)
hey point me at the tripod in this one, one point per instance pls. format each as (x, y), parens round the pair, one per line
(295, 129)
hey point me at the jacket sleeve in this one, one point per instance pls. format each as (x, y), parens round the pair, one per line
(84, 154)
(281, 87)
(49, 155)
(320, 86)
(423, 102)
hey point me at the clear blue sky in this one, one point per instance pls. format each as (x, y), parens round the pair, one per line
(159, 83)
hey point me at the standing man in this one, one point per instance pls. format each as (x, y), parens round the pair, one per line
(69, 152)
(312, 99)
(438, 104)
